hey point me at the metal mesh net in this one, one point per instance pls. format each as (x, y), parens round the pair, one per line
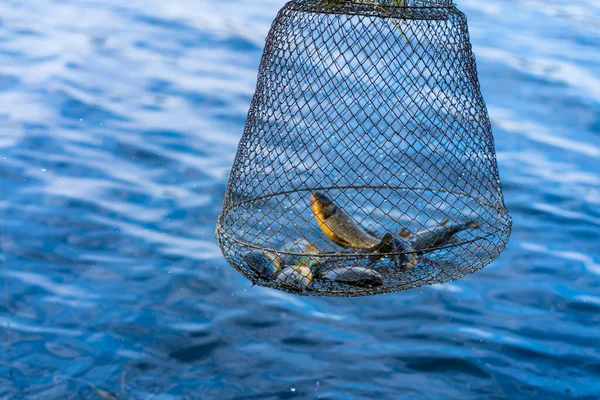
(367, 164)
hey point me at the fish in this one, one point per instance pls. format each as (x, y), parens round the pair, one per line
(332, 3)
(358, 276)
(432, 239)
(296, 276)
(266, 265)
(393, 244)
(405, 234)
(300, 246)
(339, 226)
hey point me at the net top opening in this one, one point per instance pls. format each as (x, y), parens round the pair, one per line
(391, 3)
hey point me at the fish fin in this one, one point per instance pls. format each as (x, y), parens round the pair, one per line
(311, 249)
(473, 224)
(404, 233)
(339, 241)
(445, 222)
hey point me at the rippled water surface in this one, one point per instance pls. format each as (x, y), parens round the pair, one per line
(118, 124)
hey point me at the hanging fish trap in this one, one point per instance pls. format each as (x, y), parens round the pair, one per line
(367, 164)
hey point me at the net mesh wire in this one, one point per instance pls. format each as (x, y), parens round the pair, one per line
(367, 120)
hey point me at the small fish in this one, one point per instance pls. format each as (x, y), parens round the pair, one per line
(440, 236)
(266, 265)
(296, 276)
(392, 244)
(300, 246)
(332, 3)
(340, 227)
(358, 276)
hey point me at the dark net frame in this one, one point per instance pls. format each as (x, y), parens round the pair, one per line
(377, 106)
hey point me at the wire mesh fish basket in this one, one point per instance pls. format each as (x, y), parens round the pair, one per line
(367, 164)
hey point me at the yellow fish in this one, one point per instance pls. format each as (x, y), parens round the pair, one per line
(340, 227)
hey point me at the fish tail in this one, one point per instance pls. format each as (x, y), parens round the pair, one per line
(474, 224)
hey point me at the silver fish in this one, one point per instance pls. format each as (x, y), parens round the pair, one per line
(266, 265)
(300, 246)
(297, 277)
(339, 226)
(358, 276)
(440, 236)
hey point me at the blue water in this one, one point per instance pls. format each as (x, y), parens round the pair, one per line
(119, 122)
